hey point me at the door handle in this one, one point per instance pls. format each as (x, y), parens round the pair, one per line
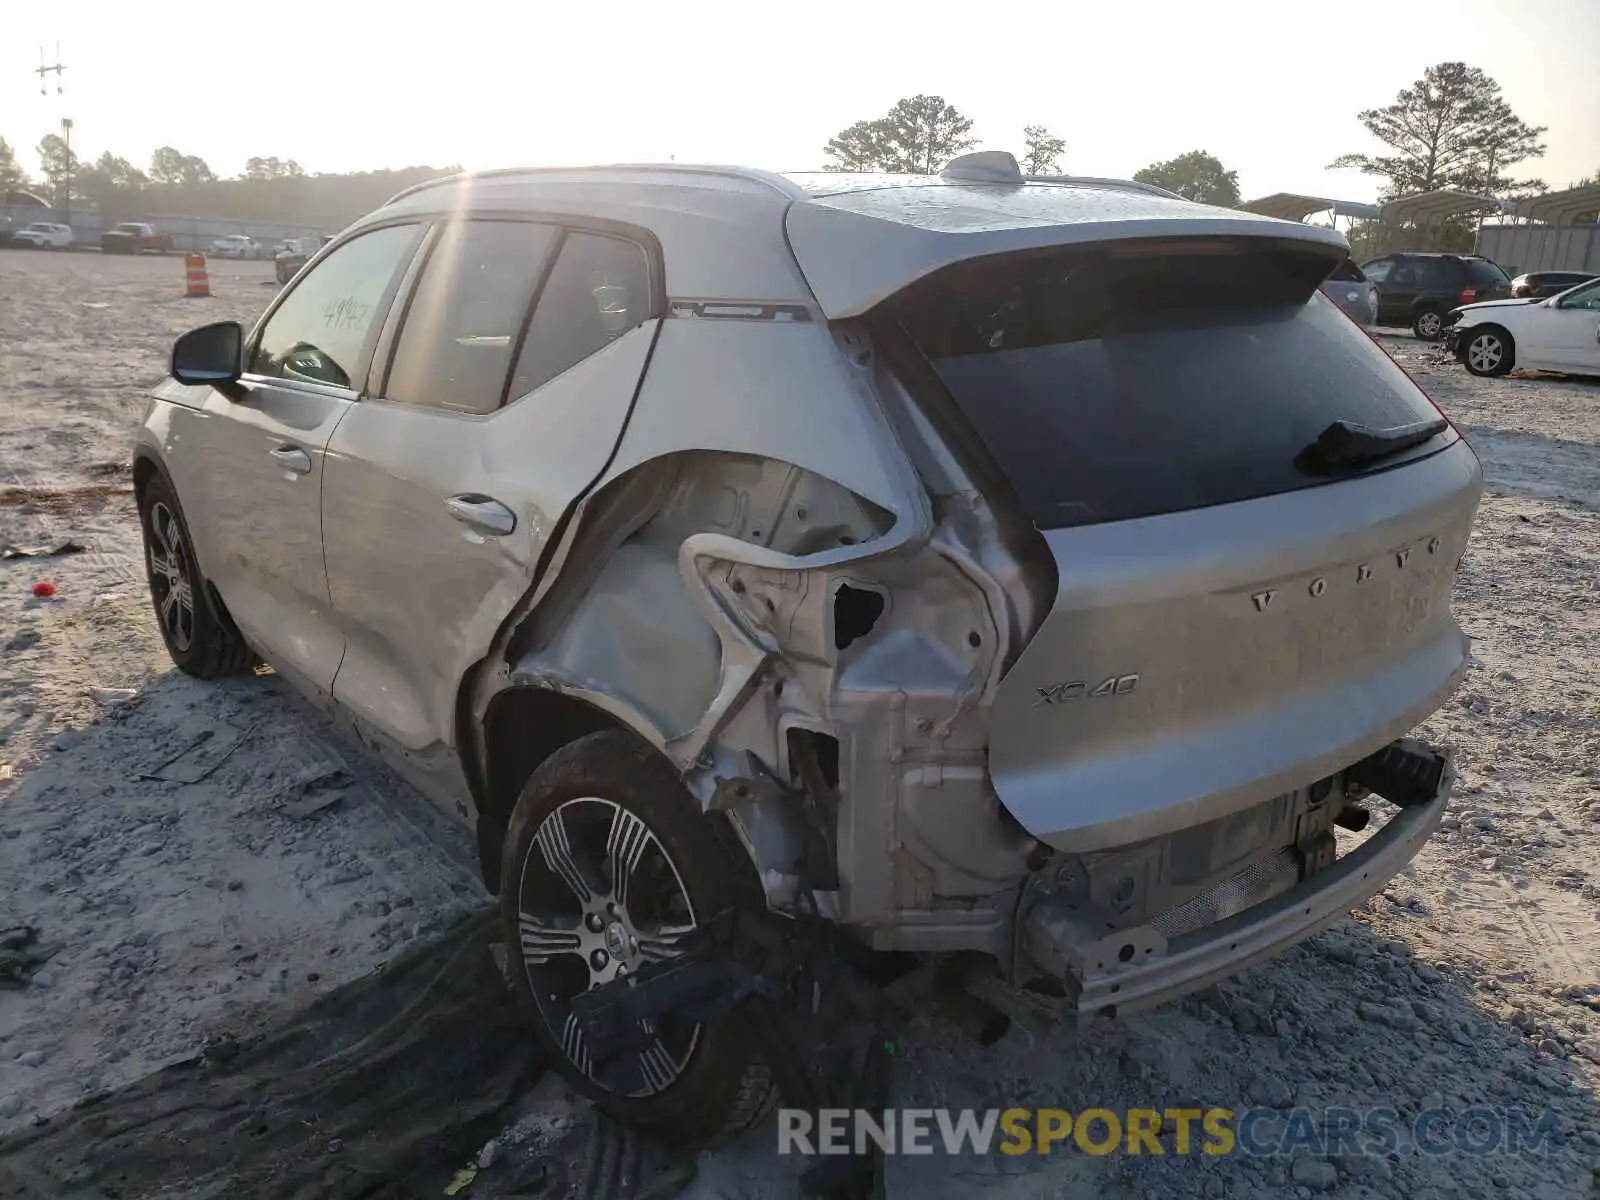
(294, 458)
(483, 513)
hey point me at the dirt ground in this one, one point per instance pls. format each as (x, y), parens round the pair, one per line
(201, 861)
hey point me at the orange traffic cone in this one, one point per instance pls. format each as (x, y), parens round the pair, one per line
(194, 265)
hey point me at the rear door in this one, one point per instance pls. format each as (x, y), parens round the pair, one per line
(258, 459)
(1236, 614)
(1394, 299)
(515, 363)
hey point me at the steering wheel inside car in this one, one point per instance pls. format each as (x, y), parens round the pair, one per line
(305, 361)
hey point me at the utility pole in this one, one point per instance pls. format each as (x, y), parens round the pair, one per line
(55, 68)
(58, 69)
(66, 191)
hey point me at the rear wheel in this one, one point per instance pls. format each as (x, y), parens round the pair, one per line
(608, 864)
(200, 639)
(1428, 324)
(1487, 351)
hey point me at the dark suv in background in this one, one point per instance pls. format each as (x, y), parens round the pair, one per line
(1418, 289)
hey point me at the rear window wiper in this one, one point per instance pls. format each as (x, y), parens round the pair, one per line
(1343, 444)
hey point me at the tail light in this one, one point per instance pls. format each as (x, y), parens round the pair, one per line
(1468, 295)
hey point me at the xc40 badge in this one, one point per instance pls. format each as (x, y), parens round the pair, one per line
(1081, 689)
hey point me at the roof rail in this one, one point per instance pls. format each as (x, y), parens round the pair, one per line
(767, 179)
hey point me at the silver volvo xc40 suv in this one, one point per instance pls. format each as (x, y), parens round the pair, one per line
(1043, 568)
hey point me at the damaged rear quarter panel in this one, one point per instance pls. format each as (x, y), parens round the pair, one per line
(694, 599)
(758, 432)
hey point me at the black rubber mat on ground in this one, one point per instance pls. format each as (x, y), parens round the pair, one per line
(375, 1091)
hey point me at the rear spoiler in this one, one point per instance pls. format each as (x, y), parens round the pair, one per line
(856, 249)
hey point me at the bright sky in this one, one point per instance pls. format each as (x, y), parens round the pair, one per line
(1272, 87)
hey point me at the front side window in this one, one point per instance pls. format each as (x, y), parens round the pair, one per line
(1587, 298)
(321, 332)
(464, 319)
(1408, 272)
(598, 289)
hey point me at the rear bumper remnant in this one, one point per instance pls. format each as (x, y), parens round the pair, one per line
(1134, 969)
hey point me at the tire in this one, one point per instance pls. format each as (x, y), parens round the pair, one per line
(700, 1083)
(205, 645)
(1487, 350)
(1428, 324)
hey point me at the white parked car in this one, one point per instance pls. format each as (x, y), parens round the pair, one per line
(1558, 334)
(43, 235)
(236, 245)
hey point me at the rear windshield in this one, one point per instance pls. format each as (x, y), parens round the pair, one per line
(1134, 380)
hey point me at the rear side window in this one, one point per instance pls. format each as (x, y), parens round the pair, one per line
(322, 332)
(464, 319)
(1119, 383)
(1485, 273)
(1347, 272)
(598, 289)
(1439, 272)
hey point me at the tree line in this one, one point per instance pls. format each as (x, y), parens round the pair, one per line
(1452, 128)
(270, 189)
(922, 133)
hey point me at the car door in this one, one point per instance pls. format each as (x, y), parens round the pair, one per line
(256, 512)
(513, 367)
(1402, 291)
(1570, 331)
(1380, 271)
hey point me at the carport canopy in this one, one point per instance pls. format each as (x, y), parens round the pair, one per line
(1427, 207)
(1292, 206)
(1559, 208)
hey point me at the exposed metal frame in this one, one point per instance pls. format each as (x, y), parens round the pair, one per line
(1559, 208)
(1295, 206)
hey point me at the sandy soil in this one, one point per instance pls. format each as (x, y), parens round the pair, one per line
(154, 830)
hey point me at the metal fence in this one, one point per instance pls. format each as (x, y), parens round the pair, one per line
(1527, 247)
(188, 233)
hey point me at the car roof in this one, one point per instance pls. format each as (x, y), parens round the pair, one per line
(729, 232)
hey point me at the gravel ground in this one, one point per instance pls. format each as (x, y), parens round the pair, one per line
(155, 830)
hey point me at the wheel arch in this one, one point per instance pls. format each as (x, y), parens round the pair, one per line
(148, 465)
(522, 727)
(1495, 326)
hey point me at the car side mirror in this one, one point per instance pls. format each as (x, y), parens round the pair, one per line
(209, 355)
